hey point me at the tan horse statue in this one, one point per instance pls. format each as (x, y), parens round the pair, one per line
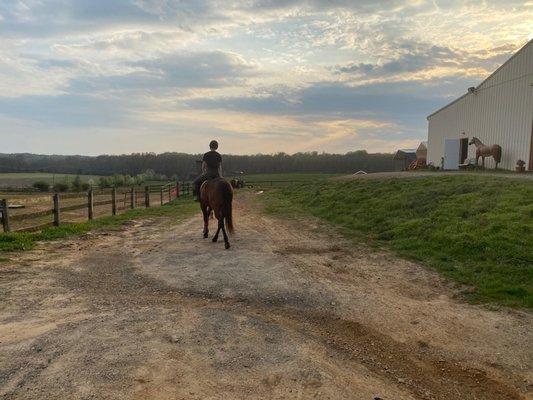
(483, 151)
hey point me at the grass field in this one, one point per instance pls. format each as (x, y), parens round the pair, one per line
(475, 230)
(25, 180)
(177, 210)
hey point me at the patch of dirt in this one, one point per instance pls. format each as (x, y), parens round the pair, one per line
(292, 310)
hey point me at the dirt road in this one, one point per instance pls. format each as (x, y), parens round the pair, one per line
(291, 311)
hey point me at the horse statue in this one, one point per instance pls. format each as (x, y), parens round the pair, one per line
(216, 195)
(486, 151)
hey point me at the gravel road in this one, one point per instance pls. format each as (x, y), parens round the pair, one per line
(291, 311)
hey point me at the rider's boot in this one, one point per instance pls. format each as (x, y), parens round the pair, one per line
(196, 193)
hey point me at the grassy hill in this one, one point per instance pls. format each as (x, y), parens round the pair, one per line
(476, 230)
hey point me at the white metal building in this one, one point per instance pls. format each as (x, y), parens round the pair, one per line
(497, 111)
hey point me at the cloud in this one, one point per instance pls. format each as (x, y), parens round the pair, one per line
(412, 58)
(263, 74)
(415, 57)
(172, 71)
(398, 102)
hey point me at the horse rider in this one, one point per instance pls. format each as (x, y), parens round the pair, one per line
(211, 168)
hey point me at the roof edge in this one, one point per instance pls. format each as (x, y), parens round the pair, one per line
(484, 80)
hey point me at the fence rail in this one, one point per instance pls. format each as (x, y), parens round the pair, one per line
(133, 198)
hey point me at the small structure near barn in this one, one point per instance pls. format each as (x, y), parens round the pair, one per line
(403, 158)
(422, 151)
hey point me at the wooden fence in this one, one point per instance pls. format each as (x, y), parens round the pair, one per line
(132, 199)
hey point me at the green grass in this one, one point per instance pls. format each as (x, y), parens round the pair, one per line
(16, 241)
(475, 230)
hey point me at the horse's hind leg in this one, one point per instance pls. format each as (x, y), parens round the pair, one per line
(220, 226)
(226, 241)
(205, 212)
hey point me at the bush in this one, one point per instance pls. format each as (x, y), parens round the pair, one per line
(60, 187)
(76, 184)
(42, 186)
(117, 180)
(85, 187)
(104, 182)
(139, 179)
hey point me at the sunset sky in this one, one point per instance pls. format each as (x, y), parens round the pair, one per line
(261, 76)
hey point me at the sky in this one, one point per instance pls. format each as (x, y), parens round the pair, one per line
(260, 76)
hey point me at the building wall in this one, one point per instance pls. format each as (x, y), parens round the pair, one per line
(501, 112)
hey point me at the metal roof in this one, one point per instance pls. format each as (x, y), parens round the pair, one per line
(485, 80)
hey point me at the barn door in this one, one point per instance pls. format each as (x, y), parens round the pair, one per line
(452, 148)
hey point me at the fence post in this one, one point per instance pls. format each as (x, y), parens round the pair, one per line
(177, 189)
(57, 210)
(90, 205)
(147, 196)
(114, 201)
(133, 200)
(5, 216)
(161, 194)
(169, 194)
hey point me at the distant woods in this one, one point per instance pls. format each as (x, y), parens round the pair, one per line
(184, 165)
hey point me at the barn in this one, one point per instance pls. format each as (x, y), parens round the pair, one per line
(403, 158)
(497, 111)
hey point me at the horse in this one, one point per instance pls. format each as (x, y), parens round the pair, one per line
(486, 151)
(216, 195)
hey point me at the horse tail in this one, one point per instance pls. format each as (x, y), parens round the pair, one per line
(497, 153)
(227, 195)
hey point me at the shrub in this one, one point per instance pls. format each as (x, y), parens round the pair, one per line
(128, 180)
(42, 186)
(84, 187)
(117, 180)
(104, 182)
(60, 187)
(139, 179)
(76, 184)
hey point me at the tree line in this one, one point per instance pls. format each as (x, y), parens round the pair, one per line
(185, 165)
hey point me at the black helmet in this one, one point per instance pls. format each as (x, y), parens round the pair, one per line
(213, 144)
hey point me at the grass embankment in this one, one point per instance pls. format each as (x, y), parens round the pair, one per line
(177, 210)
(286, 177)
(475, 230)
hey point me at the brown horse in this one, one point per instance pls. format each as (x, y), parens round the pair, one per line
(486, 151)
(216, 195)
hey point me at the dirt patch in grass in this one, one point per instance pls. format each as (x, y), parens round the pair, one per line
(474, 229)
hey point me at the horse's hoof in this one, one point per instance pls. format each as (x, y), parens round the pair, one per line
(206, 235)
(226, 245)
(215, 239)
